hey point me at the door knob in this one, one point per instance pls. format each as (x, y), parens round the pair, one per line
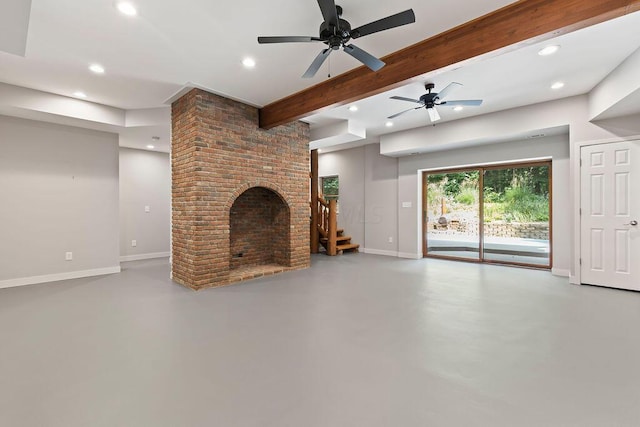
(634, 222)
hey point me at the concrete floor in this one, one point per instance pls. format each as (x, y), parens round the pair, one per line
(356, 340)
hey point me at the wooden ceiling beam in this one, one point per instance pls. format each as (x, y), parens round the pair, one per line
(509, 28)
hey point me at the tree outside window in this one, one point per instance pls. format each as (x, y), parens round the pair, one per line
(330, 188)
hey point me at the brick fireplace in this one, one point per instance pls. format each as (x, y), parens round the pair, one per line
(240, 194)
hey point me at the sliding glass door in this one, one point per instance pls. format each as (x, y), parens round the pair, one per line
(516, 215)
(452, 214)
(499, 214)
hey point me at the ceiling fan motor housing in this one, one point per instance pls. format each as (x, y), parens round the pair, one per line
(429, 99)
(331, 34)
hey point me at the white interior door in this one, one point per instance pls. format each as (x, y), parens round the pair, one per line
(610, 211)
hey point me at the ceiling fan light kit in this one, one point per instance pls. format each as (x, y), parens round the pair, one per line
(336, 33)
(431, 99)
(433, 114)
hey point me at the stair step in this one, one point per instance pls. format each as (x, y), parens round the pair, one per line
(339, 239)
(348, 247)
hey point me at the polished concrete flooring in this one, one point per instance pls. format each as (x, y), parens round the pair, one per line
(356, 340)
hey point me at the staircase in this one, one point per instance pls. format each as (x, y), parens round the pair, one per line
(343, 243)
(324, 220)
(330, 236)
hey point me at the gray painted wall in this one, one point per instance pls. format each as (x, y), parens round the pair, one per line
(349, 166)
(368, 195)
(381, 201)
(388, 182)
(571, 113)
(145, 180)
(556, 147)
(58, 194)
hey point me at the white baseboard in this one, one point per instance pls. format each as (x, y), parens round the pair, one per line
(392, 253)
(560, 272)
(34, 280)
(379, 252)
(409, 255)
(574, 280)
(144, 256)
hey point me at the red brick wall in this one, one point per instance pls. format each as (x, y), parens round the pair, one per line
(259, 229)
(219, 152)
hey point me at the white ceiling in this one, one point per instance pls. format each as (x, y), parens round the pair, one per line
(510, 80)
(171, 43)
(14, 26)
(150, 57)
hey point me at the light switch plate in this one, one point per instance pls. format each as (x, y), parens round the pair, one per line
(406, 204)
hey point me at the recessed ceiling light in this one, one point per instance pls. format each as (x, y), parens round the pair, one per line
(549, 50)
(127, 8)
(388, 124)
(150, 147)
(96, 68)
(353, 108)
(557, 85)
(249, 62)
(458, 108)
(79, 94)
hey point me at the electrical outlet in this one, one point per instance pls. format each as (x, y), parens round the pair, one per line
(68, 256)
(134, 243)
(390, 239)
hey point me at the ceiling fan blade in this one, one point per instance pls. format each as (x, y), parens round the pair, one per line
(433, 114)
(444, 92)
(402, 98)
(317, 63)
(287, 39)
(464, 102)
(366, 58)
(329, 11)
(402, 112)
(397, 20)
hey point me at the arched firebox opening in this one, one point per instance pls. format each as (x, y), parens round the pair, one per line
(259, 230)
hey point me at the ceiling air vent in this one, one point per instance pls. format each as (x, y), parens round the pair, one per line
(537, 135)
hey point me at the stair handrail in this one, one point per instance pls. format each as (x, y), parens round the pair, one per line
(328, 223)
(322, 207)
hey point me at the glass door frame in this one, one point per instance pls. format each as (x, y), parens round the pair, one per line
(481, 169)
(425, 216)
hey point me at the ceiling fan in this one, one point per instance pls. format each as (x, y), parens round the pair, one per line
(430, 99)
(336, 32)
